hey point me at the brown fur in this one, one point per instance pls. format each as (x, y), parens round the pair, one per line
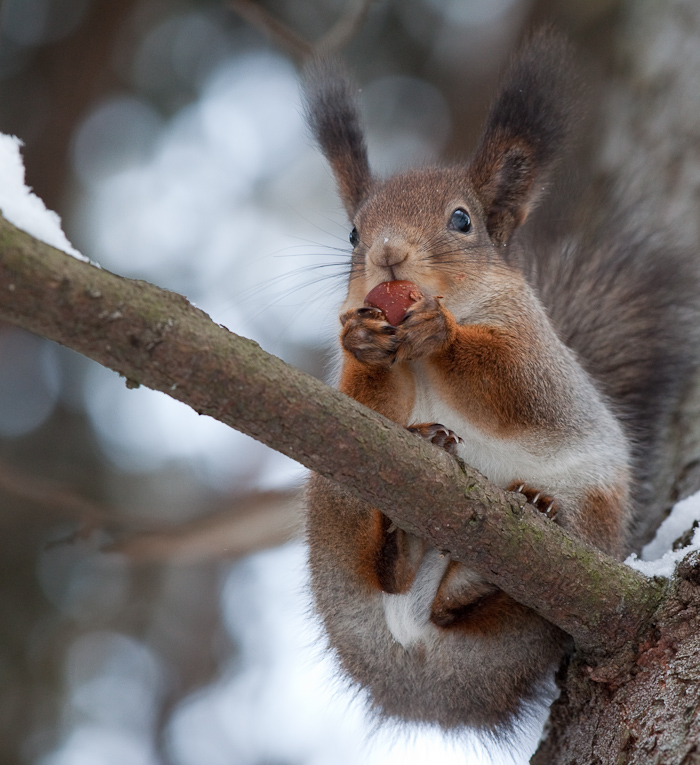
(456, 601)
(487, 373)
(482, 617)
(398, 556)
(453, 687)
(333, 119)
(507, 191)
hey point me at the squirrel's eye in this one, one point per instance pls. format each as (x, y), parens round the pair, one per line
(460, 220)
(354, 237)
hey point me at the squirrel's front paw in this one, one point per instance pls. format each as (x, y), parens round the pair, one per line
(426, 329)
(369, 336)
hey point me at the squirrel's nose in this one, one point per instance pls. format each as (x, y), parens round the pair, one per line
(385, 253)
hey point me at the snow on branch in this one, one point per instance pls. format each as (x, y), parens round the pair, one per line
(21, 206)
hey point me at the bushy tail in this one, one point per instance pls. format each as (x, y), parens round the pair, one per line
(626, 299)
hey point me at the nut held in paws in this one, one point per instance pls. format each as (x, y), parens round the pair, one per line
(393, 299)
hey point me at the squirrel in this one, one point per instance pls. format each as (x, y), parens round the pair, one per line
(552, 369)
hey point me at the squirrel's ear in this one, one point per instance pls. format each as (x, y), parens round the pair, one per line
(332, 115)
(525, 132)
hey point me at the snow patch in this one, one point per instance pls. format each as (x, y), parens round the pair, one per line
(658, 557)
(21, 207)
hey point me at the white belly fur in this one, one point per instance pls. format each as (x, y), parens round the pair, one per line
(546, 465)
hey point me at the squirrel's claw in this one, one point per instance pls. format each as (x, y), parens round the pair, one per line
(437, 434)
(545, 504)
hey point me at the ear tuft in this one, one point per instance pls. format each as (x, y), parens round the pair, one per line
(526, 131)
(332, 115)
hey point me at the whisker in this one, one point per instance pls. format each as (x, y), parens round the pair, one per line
(292, 290)
(323, 247)
(256, 289)
(299, 215)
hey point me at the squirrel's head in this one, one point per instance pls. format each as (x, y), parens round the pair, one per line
(443, 228)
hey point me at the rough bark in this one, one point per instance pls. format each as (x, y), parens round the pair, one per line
(157, 338)
(639, 712)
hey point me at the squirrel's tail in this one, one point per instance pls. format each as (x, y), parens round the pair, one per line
(626, 299)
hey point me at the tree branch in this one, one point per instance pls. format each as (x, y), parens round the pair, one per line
(54, 497)
(250, 523)
(156, 338)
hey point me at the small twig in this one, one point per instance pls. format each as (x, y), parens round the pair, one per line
(280, 34)
(340, 34)
(252, 522)
(343, 31)
(53, 496)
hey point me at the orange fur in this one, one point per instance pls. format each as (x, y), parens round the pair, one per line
(483, 373)
(454, 598)
(362, 537)
(389, 391)
(488, 615)
(398, 556)
(601, 520)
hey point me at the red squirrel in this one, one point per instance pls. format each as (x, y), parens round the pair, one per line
(553, 371)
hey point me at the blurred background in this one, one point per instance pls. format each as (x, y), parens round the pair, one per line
(152, 588)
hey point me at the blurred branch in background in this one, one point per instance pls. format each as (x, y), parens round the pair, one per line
(71, 68)
(251, 523)
(290, 42)
(333, 41)
(254, 523)
(53, 497)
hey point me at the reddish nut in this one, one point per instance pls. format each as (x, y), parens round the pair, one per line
(393, 299)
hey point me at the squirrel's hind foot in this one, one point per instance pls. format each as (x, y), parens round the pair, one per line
(546, 504)
(437, 434)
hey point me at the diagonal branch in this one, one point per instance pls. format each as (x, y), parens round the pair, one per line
(156, 338)
(53, 496)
